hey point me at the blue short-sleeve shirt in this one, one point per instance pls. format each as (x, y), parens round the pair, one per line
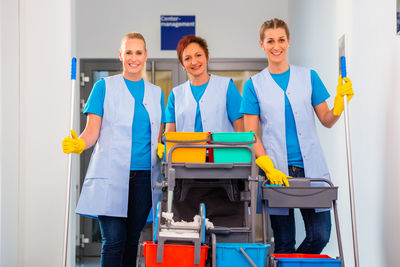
(141, 130)
(250, 105)
(233, 100)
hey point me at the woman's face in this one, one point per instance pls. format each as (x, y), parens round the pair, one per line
(194, 60)
(275, 45)
(133, 56)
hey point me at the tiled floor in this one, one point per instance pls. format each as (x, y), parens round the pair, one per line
(89, 262)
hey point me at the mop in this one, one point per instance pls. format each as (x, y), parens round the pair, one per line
(167, 230)
(349, 165)
(67, 202)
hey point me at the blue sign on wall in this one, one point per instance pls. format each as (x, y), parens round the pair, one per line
(173, 28)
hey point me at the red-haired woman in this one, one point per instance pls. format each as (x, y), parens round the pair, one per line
(204, 103)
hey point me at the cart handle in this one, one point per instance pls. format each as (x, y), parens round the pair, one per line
(185, 142)
(309, 179)
(248, 258)
(169, 156)
(284, 192)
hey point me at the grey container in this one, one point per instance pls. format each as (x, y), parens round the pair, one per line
(300, 194)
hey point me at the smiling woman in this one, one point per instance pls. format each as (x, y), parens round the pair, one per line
(205, 103)
(208, 103)
(275, 44)
(133, 55)
(283, 98)
(124, 120)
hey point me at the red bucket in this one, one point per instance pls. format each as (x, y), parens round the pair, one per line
(174, 255)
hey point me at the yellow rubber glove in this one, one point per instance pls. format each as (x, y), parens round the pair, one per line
(160, 150)
(341, 91)
(274, 176)
(73, 144)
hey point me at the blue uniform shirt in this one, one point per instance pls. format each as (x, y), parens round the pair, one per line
(250, 106)
(141, 131)
(232, 104)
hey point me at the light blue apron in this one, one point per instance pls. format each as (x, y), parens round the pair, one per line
(106, 187)
(212, 104)
(272, 117)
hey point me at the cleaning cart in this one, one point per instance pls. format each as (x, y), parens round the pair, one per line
(302, 193)
(232, 160)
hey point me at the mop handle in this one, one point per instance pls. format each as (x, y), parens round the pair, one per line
(68, 195)
(73, 79)
(73, 69)
(343, 66)
(350, 167)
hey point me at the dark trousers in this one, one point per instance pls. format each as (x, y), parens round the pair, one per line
(317, 226)
(120, 236)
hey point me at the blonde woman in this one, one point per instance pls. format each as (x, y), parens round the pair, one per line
(124, 117)
(284, 99)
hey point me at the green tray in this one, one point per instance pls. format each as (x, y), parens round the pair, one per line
(232, 155)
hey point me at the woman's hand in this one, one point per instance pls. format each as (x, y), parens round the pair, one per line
(160, 150)
(275, 176)
(341, 91)
(329, 117)
(73, 144)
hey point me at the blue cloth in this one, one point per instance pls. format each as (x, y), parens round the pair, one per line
(232, 104)
(317, 227)
(250, 105)
(141, 131)
(120, 236)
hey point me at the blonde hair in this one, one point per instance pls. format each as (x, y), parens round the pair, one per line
(133, 35)
(274, 24)
(136, 35)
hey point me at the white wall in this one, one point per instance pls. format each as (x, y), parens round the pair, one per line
(373, 65)
(230, 27)
(35, 72)
(9, 129)
(376, 73)
(45, 53)
(391, 214)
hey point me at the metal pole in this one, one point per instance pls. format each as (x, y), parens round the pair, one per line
(67, 202)
(351, 186)
(350, 169)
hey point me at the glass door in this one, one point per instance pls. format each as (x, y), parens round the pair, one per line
(240, 70)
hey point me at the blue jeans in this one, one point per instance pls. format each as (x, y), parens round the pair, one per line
(317, 226)
(120, 236)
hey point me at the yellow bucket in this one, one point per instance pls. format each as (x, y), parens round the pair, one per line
(192, 155)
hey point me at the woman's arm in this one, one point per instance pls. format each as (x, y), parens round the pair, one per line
(262, 160)
(92, 130)
(328, 117)
(239, 125)
(251, 123)
(325, 115)
(170, 127)
(160, 132)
